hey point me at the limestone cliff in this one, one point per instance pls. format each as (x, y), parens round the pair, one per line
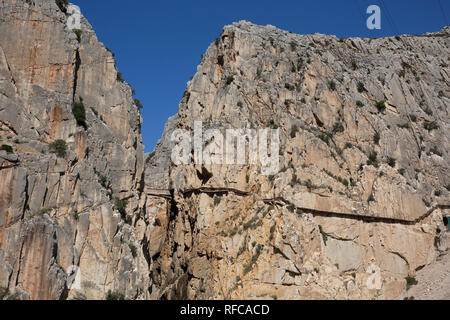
(364, 173)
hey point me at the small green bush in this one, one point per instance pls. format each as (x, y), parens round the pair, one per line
(249, 266)
(78, 33)
(79, 113)
(272, 231)
(103, 180)
(361, 87)
(332, 85)
(289, 86)
(119, 77)
(381, 106)
(437, 241)
(293, 45)
(133, 250)
(229, 80)
(338, 127)
(294, 131)
(273, 125)
(309, 185)
(359, 104)
(62, 5)
(376, 138)
(121, 207)
(410, 281)
(150, 156)
(138, 103)
(428, 111)
(59, 147)
(430, 126)
(391, 161)
(373, 159)
(7, 148)
(324, 235)
(436, 151)
(324, 137)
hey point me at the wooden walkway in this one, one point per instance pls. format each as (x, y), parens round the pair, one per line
(280, 201)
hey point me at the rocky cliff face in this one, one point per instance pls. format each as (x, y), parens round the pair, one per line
(59, 215)
(364, 174)
(355, 207)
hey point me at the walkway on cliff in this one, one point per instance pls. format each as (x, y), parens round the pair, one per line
(168, 194)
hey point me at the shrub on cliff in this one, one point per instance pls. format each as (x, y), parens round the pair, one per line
(7, 148)
(381, 106)
(430, 126)
(114, 296)
(121, 207)
(391, 161)
(229, 80)
(410, 281)
(332, 85)
(361, 87)
(294, 131)
(119, 77)
(78, 33)
(376, 138)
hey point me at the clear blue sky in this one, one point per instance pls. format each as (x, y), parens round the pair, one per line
(158, 43)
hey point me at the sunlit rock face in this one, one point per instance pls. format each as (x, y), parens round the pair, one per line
(354, 207)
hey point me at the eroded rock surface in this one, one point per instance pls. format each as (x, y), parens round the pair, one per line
(363, 177)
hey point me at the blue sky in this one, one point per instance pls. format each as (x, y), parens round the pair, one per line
(158, 43)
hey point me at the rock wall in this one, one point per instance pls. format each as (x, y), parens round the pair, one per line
(364, 172)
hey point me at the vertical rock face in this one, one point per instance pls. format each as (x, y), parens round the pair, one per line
(59, 214)
(364, 173)
(354, 208)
